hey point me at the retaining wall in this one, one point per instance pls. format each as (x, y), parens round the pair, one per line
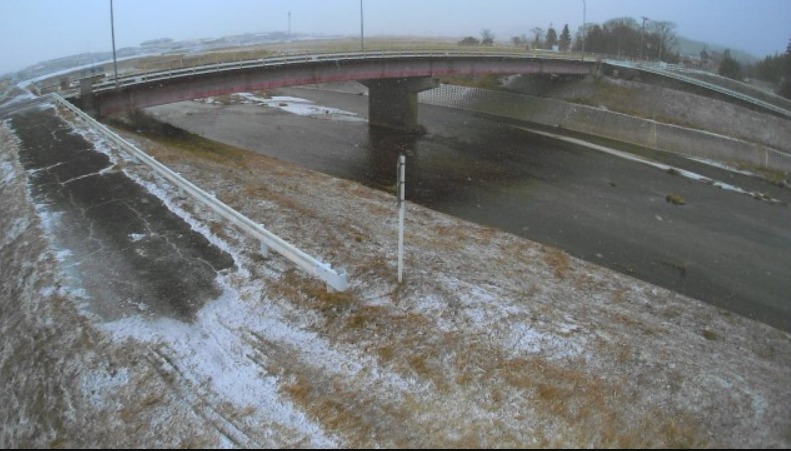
(609, 124)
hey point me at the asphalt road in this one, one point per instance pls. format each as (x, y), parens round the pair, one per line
(126, 249)
(721, 247)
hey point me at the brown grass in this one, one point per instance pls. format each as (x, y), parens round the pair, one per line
(675, 199)
(557, 260)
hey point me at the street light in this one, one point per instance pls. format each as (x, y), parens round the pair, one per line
(584, 12)
(112, 30)
(362, 39)
(642, 39)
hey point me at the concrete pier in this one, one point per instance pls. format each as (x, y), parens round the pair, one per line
(393, 102)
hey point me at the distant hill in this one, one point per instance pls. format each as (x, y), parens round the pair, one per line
(692, 48)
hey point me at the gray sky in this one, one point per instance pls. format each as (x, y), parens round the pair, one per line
(36, 30)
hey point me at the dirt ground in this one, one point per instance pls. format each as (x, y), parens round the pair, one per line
(492, 341)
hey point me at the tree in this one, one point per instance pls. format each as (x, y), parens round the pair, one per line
(470, 40)
(729, 67)
(520, 41)
(785, 84)
(565, 39)
(487, 37)
(552, 37)
(665, 36)
(539, 35)
(621, 36)
(771, 69)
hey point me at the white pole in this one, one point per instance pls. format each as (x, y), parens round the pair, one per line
(401, 214)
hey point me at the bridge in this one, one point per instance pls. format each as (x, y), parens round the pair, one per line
(393, 78)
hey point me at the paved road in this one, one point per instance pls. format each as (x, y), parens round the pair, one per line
(721, 247)
(121, 244)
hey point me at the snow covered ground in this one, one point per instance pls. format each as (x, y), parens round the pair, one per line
(492, 341)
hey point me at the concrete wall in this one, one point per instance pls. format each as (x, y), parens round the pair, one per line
(665, 105)
(608, 124)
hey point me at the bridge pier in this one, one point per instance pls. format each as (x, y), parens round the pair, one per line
(392, 102)
(87, 103)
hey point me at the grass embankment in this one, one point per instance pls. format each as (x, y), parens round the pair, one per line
(568, 404)
(197, 146)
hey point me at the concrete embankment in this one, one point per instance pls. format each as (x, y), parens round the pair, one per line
(612, 125)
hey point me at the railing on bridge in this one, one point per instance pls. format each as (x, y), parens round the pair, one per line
(213, 67)
(336, 280)
(674, 73)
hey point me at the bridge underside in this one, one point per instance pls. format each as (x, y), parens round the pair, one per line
(393, 82)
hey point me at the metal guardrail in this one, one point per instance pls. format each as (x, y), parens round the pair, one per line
(703, 84)
(336, 280)
(146, 77)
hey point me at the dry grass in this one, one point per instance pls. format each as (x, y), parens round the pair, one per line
(557, 260)
(563, 404)
(170, 62)
(675, 199)
(175, 138)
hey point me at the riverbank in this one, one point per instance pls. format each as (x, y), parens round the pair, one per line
(542, 345)
(493, 340)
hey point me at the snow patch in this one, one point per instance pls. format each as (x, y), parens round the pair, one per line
(6, 173)
(303, 107)
(17, 228)
(135, 237)
(213, 353)
(96, 385)
(527, 340)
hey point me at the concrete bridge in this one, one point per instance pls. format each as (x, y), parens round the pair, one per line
(393, 79)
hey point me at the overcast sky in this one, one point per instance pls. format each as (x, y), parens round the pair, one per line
(36, 30)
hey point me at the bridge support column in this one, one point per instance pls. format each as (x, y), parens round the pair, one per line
(87, 103)
(392, 102)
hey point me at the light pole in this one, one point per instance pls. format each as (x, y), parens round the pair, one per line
(362, 38)
(642, 39)
(584, 12)
(112, 30)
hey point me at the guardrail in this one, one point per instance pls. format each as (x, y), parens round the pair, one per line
(336, 280)
(146, 77)
(703, 84)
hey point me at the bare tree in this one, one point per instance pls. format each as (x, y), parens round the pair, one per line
(665, 33)
(539, 35)
(487, 37)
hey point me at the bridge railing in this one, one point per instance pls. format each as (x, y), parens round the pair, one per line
(336, 280)
(666, 72)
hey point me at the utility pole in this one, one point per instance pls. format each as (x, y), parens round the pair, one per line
(289, 24)
(584, 12)
(112, 30)
(642, 39)
(362, 38)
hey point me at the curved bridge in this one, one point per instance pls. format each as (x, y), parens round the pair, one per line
(393, 79)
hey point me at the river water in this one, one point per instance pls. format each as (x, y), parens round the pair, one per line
(721, 247)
